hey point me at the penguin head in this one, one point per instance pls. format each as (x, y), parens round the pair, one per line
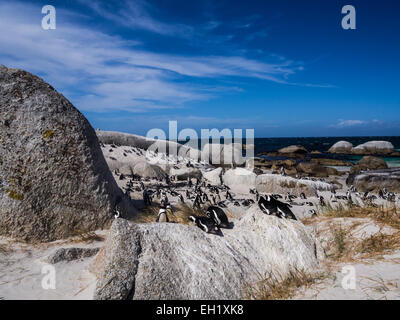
(192, 218)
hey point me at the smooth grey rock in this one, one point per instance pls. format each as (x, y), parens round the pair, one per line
(53, 176)
(374, 147)
(369, 163)
(185, 172)
(240, 180)
(133, 140)
(71, 254)
(174, 261)
(223, 154)
(214, 176)
(293, 149)
(341, 147)
(275, 183)
(376, 179)
(147, 170)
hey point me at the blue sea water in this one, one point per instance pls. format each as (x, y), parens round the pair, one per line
(322, 144)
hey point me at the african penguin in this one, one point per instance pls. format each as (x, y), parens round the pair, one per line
(206, 224)
(219, 216)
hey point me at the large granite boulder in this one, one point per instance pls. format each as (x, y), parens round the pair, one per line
(185, 172)
(316, 170)
(374, 148)
(239, 180)
(373, 181)
(162, 146)
(223, 154)
(54, 180)
(341, 147)
(293, 150)
(369, 163)
(214, 176)
(147, 170)
(175, 261)
(275, 183)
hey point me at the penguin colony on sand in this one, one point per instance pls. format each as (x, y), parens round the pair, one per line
(200, 194)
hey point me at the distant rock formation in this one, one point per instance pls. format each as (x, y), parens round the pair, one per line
(374, 147)
(174, 261)
(54, 181)
(293, 150)
(368, 148)
(375, 180)
(341, 147)
(369, 163)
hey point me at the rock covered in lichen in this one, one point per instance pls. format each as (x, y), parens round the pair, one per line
(54, 180)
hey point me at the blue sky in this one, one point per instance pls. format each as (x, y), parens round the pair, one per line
(284, 68)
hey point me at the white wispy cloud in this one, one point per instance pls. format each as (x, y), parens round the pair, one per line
(350, 123)
(103, 72)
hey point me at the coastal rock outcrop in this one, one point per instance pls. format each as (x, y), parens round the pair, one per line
(144, 143)
(54, 179)
(174, 261)
(274, 183)
(374, 148)
(341, 147)
(316, 170)
(369, 163)
(375, 180)
(213, 176)
(184, 173)
(240, 180)
(147, 170)
(223, 154)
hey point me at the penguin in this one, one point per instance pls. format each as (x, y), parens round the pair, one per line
(322, 201)
(162, 216)
(117, 214)
(267, 205)
(219, 216)
(303, 196)
(313, 212)
(206, 224)
(271, 206)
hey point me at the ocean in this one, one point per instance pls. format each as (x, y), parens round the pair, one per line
(322, 144)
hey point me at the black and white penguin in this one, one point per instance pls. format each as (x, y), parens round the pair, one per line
(206, 224)
(322, 201)
(162, 215)
(271, 206)
(303, 196)
(219, 216)
(268, 205)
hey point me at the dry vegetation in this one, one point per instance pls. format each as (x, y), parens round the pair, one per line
(179, 214)
(344, 247)
(383, 215)
(270, 288)
(4, 249)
